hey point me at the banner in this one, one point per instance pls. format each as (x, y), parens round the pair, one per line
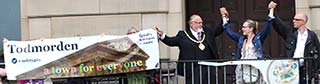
(81, 56)
(273, 71)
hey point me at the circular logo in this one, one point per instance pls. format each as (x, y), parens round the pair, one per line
(283, 72)
(14, 60)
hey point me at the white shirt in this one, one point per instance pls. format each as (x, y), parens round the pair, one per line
(195, 33)
(301, 41)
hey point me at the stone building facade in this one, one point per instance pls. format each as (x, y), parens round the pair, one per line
(68, 18)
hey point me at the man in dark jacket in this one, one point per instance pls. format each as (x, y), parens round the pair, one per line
(194, 43)
(300, 42)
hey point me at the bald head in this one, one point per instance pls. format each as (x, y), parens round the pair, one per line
(300, 20)
(194, 17)
(195, 23)
(302, 16)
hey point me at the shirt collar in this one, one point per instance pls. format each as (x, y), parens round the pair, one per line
(195, 33)
(305, 33)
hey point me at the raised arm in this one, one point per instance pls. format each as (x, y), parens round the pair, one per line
(170, 41)
(224, 14)
(268, 25)
(218, 30)
(281, 28)
(230, 33)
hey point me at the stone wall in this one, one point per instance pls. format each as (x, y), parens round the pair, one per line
(312, 9)
(68, 18)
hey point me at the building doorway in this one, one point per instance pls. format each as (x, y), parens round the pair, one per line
(240, 10)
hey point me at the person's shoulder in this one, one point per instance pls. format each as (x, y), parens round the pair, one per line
(180, 32)
(311, 32)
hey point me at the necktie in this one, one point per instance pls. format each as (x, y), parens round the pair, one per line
(199, 36)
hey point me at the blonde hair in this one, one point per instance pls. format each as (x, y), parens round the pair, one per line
(253, 24)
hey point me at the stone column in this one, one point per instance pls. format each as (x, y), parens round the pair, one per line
(24, 20)
(314, 17)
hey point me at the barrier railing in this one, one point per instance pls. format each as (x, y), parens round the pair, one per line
(226, 74)
(190, 72)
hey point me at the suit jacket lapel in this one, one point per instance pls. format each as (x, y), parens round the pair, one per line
(308, 38)
(295, 34)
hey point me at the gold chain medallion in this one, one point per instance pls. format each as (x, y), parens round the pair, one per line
(201, 46)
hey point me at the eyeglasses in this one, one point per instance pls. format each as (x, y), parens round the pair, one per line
(245, 26)
(197, 22)
(296, 19)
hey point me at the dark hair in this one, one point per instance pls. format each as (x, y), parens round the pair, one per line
(253, 24)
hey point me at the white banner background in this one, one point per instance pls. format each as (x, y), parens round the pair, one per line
(289, 69)
(16, 67)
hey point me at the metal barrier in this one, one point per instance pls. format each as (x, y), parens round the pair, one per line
(188, 72)
(221, 74)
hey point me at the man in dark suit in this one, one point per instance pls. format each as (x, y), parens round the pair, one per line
(195, 43)
(300, 42)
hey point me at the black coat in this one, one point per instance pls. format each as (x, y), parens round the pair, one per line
(290, 35)
(189, 50)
